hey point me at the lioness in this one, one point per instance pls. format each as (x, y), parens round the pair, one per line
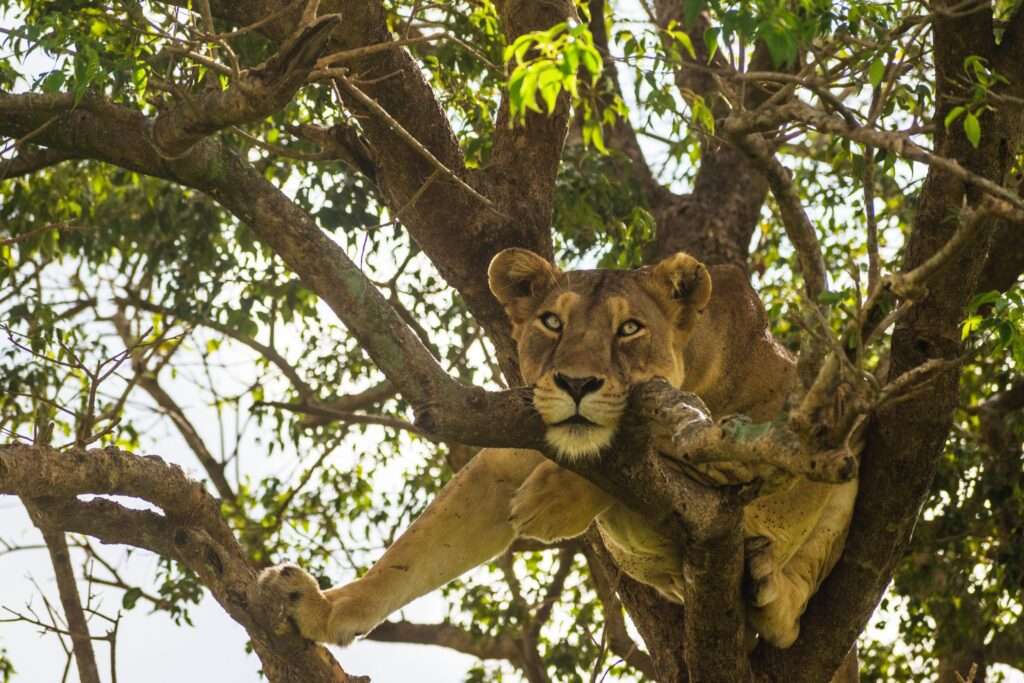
(583, 338)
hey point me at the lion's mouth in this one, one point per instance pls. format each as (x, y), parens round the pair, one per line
(576, 420)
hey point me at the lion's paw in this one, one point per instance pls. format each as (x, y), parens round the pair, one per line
(338, 616)
(295, 596)
(774, 608)
(762, 574)
(777, 622)
(539, 513)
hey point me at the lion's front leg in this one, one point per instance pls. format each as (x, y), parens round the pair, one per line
(554, 503)
(466, 525)
(337, 616)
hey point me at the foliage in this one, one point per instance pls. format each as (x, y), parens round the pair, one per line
(7, 669)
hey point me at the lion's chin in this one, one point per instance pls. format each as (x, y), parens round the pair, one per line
(577, 441)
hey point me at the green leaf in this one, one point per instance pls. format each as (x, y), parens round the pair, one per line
(130, 597)
(876, 72)
(53, 82)
(529, 90)
(972, 129)
(711, 40)
(591, 62)
(971, 324)
(550, 84)
(953, 115)
(684, 40)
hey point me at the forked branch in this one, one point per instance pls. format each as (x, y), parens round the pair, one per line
(253, 95)
(190, 530)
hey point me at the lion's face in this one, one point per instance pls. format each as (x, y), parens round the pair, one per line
(585, 336)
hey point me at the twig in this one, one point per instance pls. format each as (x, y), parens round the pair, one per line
(40, 230)
(970, 674)
(288, 8)
(346, 416)
(356, 53)
(874, 266)
(341, 76)
(900, 145)
(281, 151)
(911, 285)
(794, 219)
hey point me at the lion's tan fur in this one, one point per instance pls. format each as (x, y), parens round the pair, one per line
(704, 330)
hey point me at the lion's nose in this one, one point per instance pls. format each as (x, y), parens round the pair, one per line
(577, 387)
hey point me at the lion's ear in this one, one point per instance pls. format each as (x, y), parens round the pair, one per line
(685, 281)
(517, 277)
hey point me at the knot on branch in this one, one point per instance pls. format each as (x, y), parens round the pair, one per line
(734, 450)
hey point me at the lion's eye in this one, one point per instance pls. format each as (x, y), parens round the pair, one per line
(551, 321)
(629, 328)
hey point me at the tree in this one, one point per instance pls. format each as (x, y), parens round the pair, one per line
(185, 184)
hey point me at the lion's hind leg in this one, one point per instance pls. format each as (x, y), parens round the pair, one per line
(781, 596)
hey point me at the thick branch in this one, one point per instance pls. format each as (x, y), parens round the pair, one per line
(192, 533)
(525, 159)
(67, 587)
(117, 135)
(253, 94)
(906, 438)
(38, 471)
(31, 160)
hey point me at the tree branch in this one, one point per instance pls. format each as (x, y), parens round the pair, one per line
(794, 219)
(898, 463)
(450, 636)
(381, 113)
(31, 160)
(326, 415)
(253, 94)
(149, 383)
(67, 587)
(896, 142)
(618, 636)
(367, 398)
(117, 135)
(191, 532)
